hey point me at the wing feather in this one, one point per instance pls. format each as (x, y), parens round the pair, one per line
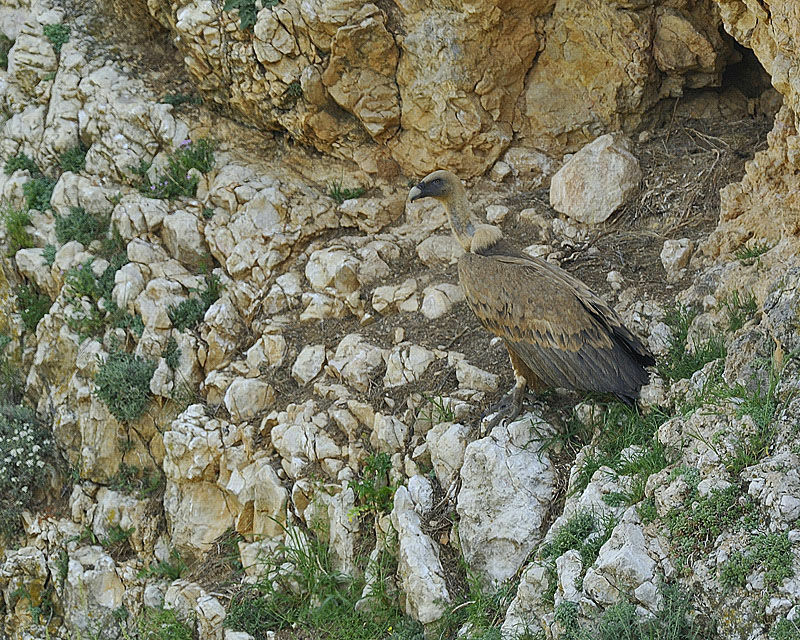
(563, 332)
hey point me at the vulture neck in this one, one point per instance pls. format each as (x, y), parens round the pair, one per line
(471, 234)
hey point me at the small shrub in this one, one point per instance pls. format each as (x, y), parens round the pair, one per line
(768, 552)
(340, 193)
(123, 384)
(190, 312)
(372, 488)
(38, 192)
(49, 254)
(33, 305)
(21, 162)
(178, 99)
(73, 159)
(25, 447)
(785, 629)
(172, 354)
(5, 46)
(178, 180)
(80, 226)
(695, 525)
(57, 34)
(16, 222)
(248, 10)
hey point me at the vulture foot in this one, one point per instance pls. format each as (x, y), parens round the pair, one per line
(508, 408)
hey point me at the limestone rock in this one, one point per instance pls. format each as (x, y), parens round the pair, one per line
(447, 443)
(437, 251)
(625, 565)
(437, 300)
(247, 397)
(391, 296)
(683, 47)
(527, 609)
(93, 589)
(361, 73)
(196, 509)
(505, 481)
(419, 567)
(333, 271)
(471, 377)
(308, 363)
(389, 434)
(355, 361)
(300, 439)
(675, 256)
(406, 363)
(195, 604)
(183, 239)
(220, 331)
(597, 180)
(261, 497)
(464, 134)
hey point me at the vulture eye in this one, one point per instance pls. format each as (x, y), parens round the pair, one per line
(437, 181)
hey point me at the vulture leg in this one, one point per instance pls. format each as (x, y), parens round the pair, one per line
(509, 406)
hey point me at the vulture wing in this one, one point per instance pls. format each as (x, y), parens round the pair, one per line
(551, 321)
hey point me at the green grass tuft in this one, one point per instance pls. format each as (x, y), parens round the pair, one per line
(748, 255)
(301, 591)
(171, 569)
(340, 193)
(682, 359)
(739, 309)
(162, 624)
(621, 427)
(785, 629)
(176, 180)
(584, 532)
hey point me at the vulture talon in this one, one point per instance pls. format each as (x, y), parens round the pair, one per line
(557, 331)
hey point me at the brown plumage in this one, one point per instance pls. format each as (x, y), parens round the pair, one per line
(558, 333)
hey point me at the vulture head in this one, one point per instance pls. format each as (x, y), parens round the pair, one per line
(441, 185)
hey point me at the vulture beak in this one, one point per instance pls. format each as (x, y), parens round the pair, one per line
(416, 193)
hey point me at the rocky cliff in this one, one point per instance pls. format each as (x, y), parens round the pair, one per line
(241, 391)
